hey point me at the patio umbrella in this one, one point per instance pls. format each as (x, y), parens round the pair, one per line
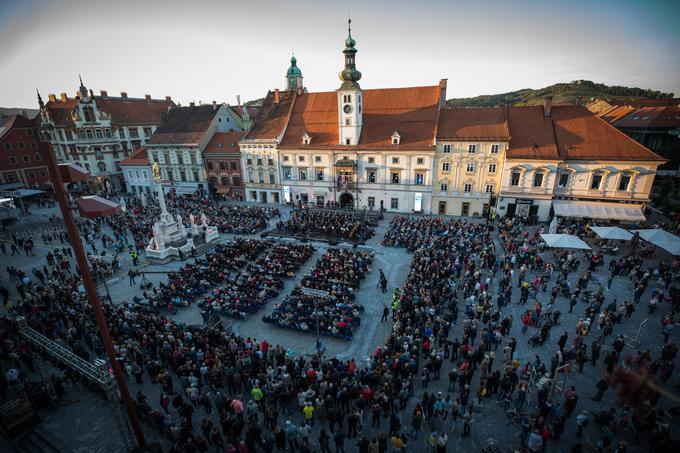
(553, 226)
(564, 241)
(613, 233)
(93, 206)
(661, 238)
(73, 173)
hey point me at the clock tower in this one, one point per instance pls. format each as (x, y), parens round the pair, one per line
(349, 95)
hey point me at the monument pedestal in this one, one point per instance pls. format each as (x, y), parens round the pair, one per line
(170, 236)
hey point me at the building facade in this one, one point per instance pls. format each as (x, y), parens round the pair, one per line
(223, 166)
(350, 147)
(98, 132)
(179, 143)
(469, 156)
(22, 153)
(563, 160)
(138, 174)
(259, 149)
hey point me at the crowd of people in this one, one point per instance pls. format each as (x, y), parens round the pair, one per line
(338, 273)
(327, 224)
(434, 375)
(194, 280)
(248, 291)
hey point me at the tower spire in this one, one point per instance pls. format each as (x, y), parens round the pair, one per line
(350, 76)
(82, 89)
(40, 101)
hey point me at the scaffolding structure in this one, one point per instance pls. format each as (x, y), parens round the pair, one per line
(97, 373)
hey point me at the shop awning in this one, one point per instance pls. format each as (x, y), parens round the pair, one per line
(598, 210)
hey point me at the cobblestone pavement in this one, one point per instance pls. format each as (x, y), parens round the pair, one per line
(86, 423)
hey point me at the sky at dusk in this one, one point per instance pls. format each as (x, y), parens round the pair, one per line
(213, 50)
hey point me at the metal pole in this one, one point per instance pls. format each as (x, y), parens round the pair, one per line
(316, 312)
(91, 289)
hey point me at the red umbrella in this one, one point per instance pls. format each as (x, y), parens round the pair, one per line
(93, 206)
(73, 173)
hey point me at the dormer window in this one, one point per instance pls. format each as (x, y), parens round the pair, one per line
(306, 139)
(396, 138)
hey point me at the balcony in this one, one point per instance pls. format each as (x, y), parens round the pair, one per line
(349, 186)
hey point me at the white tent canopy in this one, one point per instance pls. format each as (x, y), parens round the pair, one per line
(613, 233)
(661, 238)
(564, 241)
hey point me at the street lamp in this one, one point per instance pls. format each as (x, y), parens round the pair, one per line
(94, 208)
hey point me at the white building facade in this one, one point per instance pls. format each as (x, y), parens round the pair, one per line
(98, 132)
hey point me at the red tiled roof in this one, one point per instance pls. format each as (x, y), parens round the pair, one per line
(616, 113)
(224, 142)
(184, 125)
(124, 112)
(272, 118)
(652, 117)
(134, 111)
(531, 134)
(139, 158)
(580, 134)
(476, 123)
(411, 112)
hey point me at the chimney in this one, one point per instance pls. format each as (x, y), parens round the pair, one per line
(214, 105)
(168, 98)
(103, 93)
(277, 96)
(579, 99)
(442, 93)
(52, 97)
(22, 112)
(64, 97)
(547, 106)
(147, 97)
(123, 94)
(192, 104)
(238, 100)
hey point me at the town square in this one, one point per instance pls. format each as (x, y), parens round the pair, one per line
(339, 265)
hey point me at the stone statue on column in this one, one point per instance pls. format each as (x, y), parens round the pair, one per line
(204, 219)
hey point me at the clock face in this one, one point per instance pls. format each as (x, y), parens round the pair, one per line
(347, 108)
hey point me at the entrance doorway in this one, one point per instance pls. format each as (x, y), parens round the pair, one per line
(465, 210)
(346, 200)
(442, 207)
(511, 209)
